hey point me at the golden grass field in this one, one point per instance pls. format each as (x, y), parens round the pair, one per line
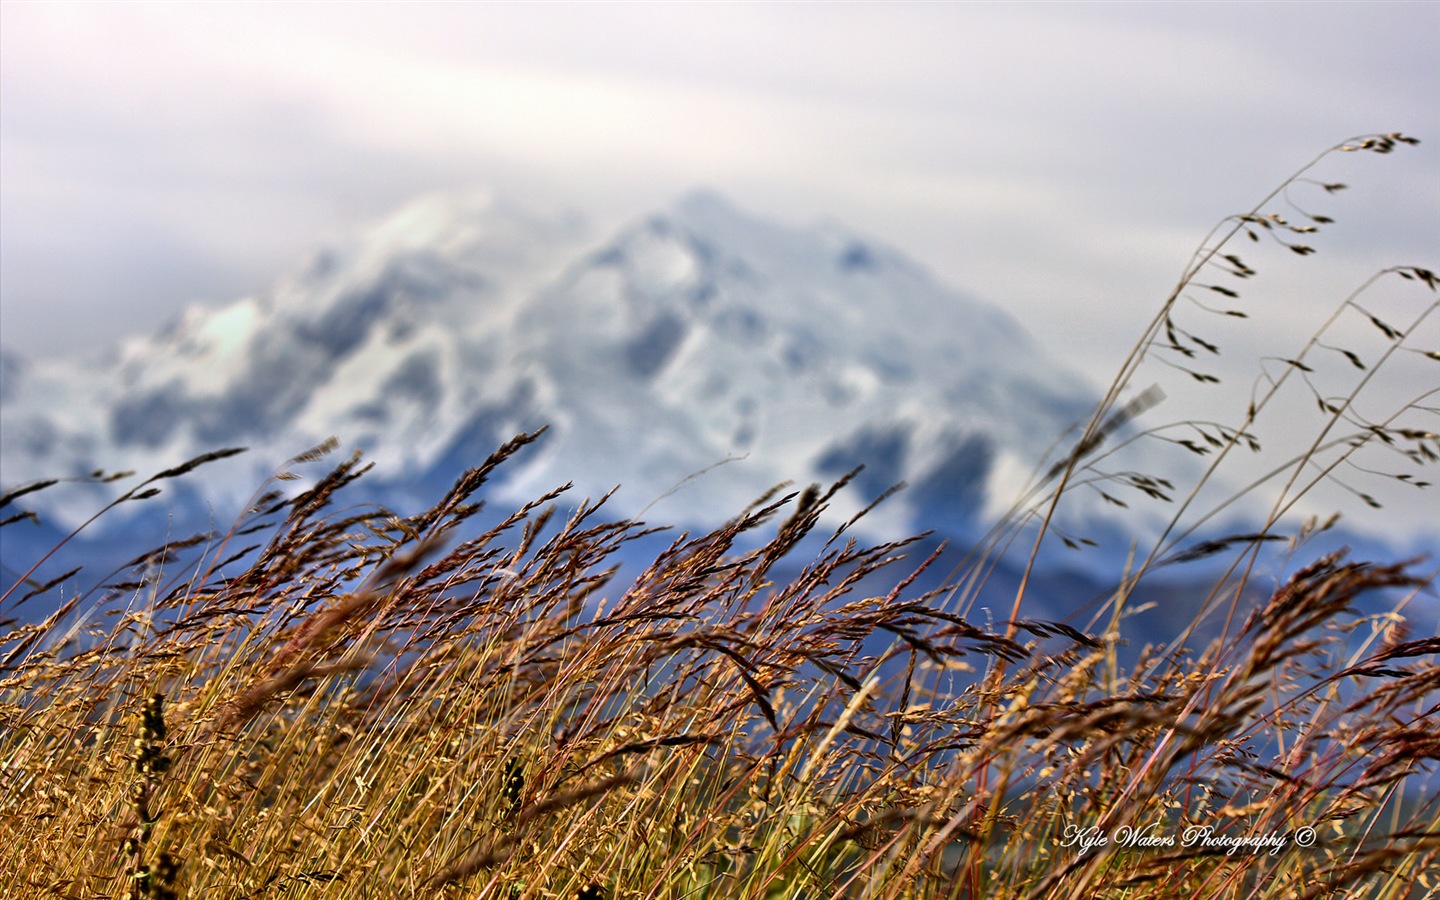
(337, 701)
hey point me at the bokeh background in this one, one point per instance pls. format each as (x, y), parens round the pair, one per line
(1059, 160)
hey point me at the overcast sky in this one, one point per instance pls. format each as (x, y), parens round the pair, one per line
(1059, 160)
(1046, 157)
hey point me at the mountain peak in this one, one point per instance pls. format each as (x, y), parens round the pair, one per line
(473, 222)
(707, 205)
(434, 217)
(700, 334)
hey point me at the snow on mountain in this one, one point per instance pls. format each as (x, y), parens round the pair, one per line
(697, 336)
(806, 352)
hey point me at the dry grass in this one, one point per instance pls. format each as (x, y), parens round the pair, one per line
(371, 705)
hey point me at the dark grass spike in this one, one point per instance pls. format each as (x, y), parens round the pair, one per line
(44, 588)
(318, 452)
(312, 501)
(473, 479)
(1050, 629)
(166, 552)
(195, 463)
(9, 497)
(1209, 548)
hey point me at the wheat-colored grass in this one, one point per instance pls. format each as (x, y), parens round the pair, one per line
(372, 705)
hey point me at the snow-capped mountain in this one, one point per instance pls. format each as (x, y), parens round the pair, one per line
(697, 336)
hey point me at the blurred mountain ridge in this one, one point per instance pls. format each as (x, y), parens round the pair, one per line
(698, 338)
